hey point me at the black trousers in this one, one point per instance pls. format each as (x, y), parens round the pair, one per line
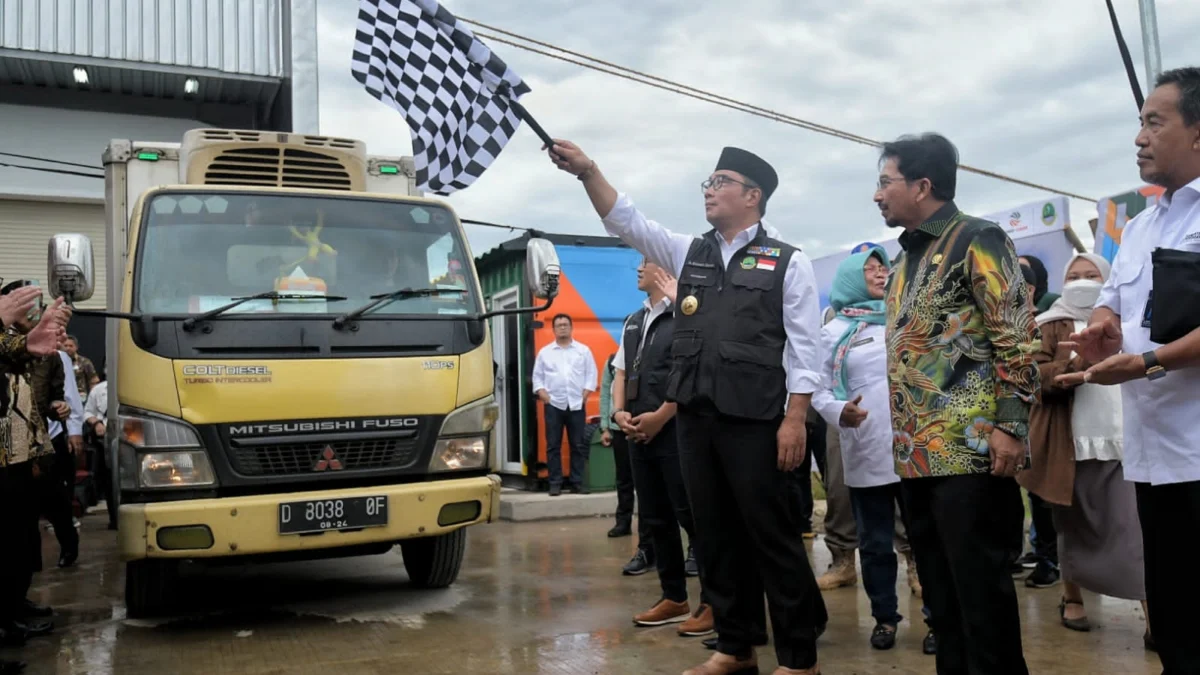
(22, 542)
(1045, 536)
(627, 490)
(802, 485)
(748, 537)
(663, 508)
(960, 528)
(573, 421)
(102, 477)
(1170, 518)
(56, 492)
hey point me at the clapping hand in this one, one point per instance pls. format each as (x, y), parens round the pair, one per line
(667, 284)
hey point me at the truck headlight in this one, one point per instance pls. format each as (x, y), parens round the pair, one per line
(158, 452)
(464, 438)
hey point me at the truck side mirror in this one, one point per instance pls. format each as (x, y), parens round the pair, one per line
(541, 268)
(70, 267)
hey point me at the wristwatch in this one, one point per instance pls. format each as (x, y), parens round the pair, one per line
(613, 416)
(1018, 430)
(1154, 369)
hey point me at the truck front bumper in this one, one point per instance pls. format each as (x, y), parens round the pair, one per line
(242, 526)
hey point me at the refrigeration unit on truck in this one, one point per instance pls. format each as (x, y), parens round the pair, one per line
(298, 355)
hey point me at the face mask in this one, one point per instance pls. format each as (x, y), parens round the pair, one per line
(1082, 293)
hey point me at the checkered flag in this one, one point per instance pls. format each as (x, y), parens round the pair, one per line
(457, 96)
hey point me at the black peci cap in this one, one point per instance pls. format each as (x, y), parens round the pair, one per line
(751, 166)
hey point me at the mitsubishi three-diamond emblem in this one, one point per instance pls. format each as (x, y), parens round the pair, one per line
(328, 461)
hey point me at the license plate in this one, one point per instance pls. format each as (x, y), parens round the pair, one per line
(323, 515)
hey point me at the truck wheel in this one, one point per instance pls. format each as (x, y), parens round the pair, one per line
(434, 562)
(149, 586)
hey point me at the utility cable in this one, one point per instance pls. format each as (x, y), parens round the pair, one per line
(664, 84)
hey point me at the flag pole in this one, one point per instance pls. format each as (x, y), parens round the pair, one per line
(521, 112)
(1133, 81)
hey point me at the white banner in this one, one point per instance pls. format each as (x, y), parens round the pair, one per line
(1033, 218)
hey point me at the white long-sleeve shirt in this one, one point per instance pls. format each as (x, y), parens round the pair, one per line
(97, 403)
(1159, 416)
(866, 451)
(801, 304)
(71, 392)
(568, 374)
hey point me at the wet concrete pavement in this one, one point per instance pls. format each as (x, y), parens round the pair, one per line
(542, 597)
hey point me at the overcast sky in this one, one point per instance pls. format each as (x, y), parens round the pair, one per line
(1028, 88)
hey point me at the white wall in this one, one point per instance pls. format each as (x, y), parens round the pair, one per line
(73, 136)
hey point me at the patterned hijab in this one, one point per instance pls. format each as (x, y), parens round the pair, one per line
(852, 300)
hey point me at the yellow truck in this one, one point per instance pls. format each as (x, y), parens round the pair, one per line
(298, 355)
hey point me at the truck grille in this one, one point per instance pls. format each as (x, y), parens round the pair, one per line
(303, 458)
(278, 167)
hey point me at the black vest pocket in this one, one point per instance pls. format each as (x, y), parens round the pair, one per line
(685, 366)
(751, 381)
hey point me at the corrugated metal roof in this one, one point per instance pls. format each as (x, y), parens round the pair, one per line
(230, 36)
(137, 82)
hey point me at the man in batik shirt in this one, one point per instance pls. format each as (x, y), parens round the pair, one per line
(961, 339)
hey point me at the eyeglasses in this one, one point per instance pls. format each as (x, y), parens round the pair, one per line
(885, 181)
(718, 182)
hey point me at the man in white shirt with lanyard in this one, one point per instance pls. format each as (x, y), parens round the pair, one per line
(564, 374)
(746, 347)
(1160, 382)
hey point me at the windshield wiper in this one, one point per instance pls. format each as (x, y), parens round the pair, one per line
(190, 322)
(382, 299)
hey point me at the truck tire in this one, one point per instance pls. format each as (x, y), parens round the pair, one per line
(434, 562)
(149, 587)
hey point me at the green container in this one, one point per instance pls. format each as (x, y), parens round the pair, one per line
(601, 472)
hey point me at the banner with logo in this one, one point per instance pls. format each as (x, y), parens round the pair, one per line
(1033, 218)
(1117, 210)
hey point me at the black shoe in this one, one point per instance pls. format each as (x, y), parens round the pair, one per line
(1045, 575)
(11, 667)
(35, 627)
(580, 490)
(555, 490)
(68, 557)
(1029, 560)
(32, 609)
(690, 566)
(639, 564)
(620, 530)
(710, 643)
(929, 644)
(883, 637)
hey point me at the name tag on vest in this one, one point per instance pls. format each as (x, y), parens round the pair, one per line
(861, 342)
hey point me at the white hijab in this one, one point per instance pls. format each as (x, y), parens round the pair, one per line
(1063, 310)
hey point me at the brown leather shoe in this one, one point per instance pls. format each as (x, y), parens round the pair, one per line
(699, 623)
(663, 612)
(724, 664)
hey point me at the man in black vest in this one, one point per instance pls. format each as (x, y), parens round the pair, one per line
(641, 409)
(745, 361)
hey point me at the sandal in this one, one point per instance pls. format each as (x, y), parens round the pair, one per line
(1081, 624)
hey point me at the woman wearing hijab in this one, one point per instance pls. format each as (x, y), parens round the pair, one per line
(1075, 437)
(854, 397)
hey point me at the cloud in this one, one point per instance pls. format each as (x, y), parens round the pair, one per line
(1032, 89)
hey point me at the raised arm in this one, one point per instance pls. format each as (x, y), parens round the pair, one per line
(621, 219)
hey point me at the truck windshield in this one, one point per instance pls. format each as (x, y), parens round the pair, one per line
(201, 250)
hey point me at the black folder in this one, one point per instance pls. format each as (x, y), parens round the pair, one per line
(1175, 302)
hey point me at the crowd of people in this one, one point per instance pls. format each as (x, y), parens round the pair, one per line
(45, 429)
(949, 378)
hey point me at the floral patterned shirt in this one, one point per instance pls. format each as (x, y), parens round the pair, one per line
(961, 342)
